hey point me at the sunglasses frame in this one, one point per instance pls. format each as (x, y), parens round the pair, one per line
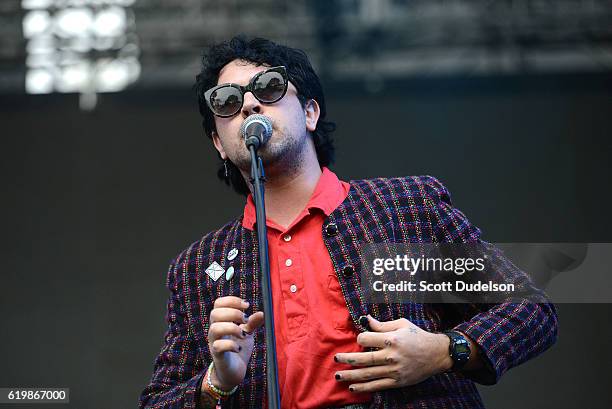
(249, 88)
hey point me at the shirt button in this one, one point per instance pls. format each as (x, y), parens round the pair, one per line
(348, 271)
(331, 229)
(288, 262)
(293, 288)
(363, 320)
(287, 237)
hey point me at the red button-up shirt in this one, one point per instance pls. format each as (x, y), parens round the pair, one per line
(311, 318)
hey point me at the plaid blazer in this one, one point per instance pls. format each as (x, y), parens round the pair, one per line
(393, 210)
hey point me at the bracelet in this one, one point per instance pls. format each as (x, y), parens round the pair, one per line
(207, 397)
(209, 391)
(218, 393)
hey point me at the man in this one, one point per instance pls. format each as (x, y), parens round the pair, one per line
(334, 349)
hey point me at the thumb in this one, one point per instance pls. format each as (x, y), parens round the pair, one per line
(255, 321)
(387, 326)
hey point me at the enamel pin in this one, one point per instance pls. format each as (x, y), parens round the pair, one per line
(229, 273)
(232, 254)
(215, 271)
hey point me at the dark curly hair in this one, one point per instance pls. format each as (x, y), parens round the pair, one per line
(260, 51)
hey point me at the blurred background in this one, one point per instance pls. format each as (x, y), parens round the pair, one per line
(107, 174)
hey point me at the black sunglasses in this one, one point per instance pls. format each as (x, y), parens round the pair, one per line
(268, 86)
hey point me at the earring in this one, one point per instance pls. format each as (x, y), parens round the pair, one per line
(226, 170)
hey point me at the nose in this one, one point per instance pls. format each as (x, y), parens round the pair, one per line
(251, 105)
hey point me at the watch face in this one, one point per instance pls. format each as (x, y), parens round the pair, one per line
(462, 348)
(459, 349)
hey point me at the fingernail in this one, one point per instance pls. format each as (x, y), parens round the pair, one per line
(244, 333)
(338, 377)
(239, 348)
(245, 304)
(335, 358)
(245, 318)
(351, 389)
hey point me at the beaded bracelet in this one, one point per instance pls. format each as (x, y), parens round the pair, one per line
(216, 391)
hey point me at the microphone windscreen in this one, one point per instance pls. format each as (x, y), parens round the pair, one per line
(257, 125)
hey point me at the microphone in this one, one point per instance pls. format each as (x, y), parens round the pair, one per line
(256, 130)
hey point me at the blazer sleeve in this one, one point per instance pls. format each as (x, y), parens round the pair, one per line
(178, 370)
(508, 333)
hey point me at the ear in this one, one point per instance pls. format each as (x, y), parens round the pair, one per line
(312, 112)
(217, 142)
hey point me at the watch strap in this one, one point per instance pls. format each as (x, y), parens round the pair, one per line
(458, 349)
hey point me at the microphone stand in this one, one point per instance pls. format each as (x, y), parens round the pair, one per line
(257, 180)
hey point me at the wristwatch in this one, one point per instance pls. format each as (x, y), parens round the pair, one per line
(459, 349)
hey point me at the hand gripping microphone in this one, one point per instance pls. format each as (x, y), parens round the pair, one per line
(256, 130)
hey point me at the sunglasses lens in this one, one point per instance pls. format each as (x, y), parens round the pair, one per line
(270, 87)
(226, 101)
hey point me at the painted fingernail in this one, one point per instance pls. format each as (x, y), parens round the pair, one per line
(335, 358)
(244, 334)
(338, 377)
(239, 348)
(351, 389)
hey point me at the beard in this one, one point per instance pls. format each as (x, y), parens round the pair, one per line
(283, 153)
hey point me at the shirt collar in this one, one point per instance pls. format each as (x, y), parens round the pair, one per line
(327, 196)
